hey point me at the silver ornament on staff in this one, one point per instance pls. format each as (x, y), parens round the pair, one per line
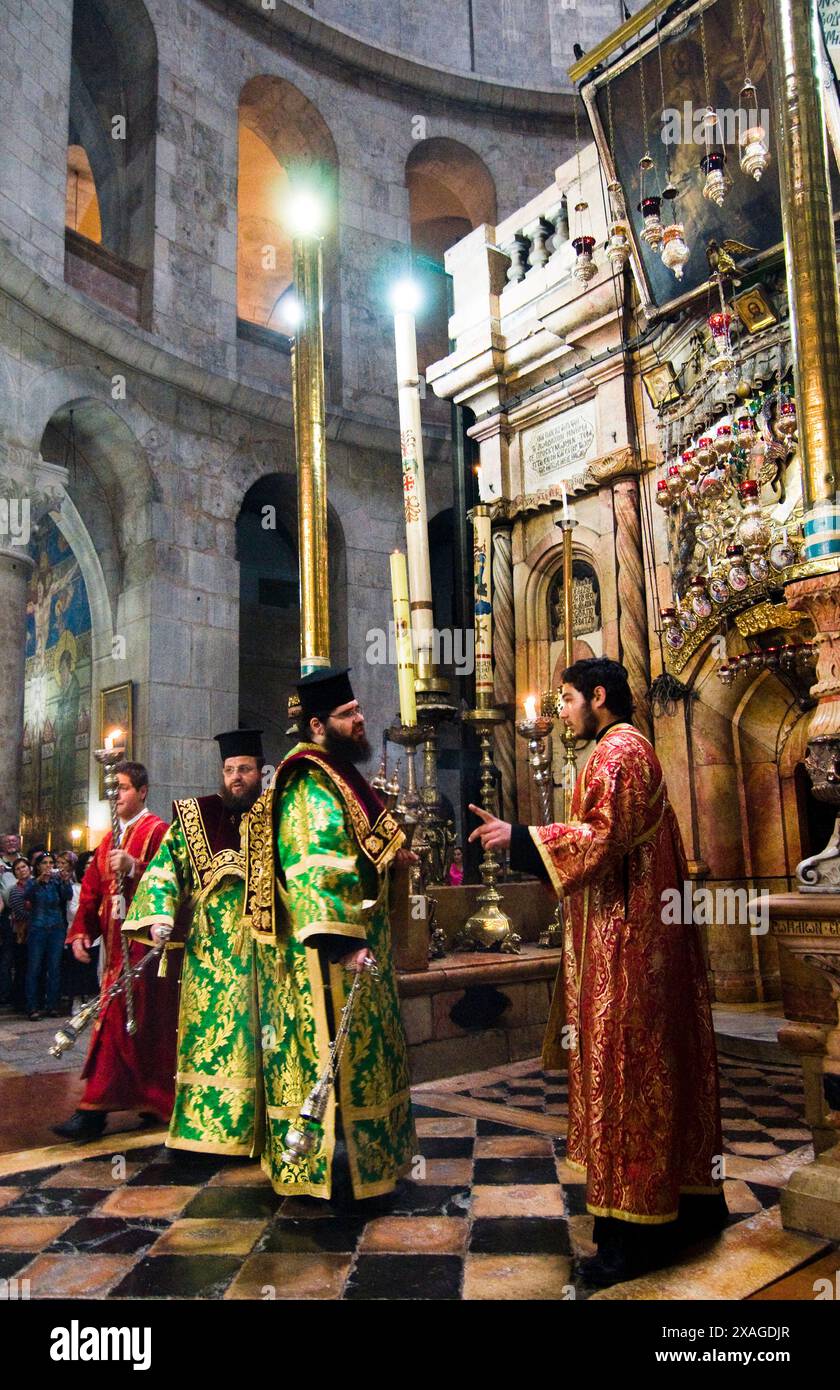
(109, 756)
(69, 1031)
(304, 1138)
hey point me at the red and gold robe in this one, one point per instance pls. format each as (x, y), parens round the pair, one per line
(644, 1111)
(127, 1071)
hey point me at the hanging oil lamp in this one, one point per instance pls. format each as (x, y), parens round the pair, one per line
(786, 423)
(753, 151)
(701, 604)
(663, 496)
(737, 574)
(671, 630)
(689, 467)
(753, 531)
(745, 432)
(674, 482)
(584, 268)
(618, 242)
(675, 250)
(712, 164)
(719, 324)
(652, 229)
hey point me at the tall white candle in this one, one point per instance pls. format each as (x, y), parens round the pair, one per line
(414, 487)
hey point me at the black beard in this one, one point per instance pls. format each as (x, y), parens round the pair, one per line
(590, 724)
(238, 803)
(352, 750)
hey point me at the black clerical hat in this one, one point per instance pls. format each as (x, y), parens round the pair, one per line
(323, 691)
(241, 743)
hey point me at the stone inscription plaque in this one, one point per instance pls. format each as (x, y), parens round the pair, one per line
(558, 447)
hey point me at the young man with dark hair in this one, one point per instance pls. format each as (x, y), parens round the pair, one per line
(124, 1071)
(631, 1017)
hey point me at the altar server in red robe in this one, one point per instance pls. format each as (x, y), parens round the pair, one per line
(124, 1071)
(631, 1017)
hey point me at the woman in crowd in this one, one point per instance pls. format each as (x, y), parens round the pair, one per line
(19, 910)
(48, 895)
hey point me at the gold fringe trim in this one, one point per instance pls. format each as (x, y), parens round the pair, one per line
(211, 1146)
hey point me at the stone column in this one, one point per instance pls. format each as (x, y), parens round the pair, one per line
(27, 490)
(632, 606)
(505, 667)
(15, 569)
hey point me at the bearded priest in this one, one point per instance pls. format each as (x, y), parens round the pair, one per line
(631, 1017)
(318, 845)
(197, 876)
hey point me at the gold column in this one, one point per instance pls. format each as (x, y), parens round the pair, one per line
(809, 255)
(569, 762)
(310, 442)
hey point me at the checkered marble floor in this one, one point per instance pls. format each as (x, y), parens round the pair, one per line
(492, 1210)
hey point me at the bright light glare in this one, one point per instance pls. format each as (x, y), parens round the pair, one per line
(305, 214)
(406, 297)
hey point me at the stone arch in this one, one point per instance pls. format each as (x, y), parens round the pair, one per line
(450, 192)
(114, 75)
(104, 517)
(269, 604)
(536, 662)
(284, 142)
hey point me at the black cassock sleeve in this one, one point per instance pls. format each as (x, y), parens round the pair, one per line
(524, 855)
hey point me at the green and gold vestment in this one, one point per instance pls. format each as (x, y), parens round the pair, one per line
(317, 862)
(218, 1095)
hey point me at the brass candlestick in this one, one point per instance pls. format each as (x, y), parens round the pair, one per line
(536, 731)
(489, 928)
(433, 707)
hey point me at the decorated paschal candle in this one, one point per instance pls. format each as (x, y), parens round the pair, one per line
(414, 486)
(402, 629)
(482, 607)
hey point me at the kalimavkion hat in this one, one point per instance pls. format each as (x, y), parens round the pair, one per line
(241, 743)
(323, 691)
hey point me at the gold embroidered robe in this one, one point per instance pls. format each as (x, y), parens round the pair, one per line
(317, 866)
(200, 868)
(644, 1112)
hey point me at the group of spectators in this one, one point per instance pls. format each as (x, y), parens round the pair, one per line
(39, 894)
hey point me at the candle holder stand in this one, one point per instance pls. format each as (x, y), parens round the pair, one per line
(489, 928)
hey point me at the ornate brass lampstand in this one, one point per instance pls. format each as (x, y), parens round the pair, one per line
(489, 928)
(409, 806)
(537, 729)
(433, 707)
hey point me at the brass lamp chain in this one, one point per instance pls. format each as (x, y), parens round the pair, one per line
(706, 81)
(742, 26)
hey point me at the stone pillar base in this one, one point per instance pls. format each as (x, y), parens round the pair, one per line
(811, 1200)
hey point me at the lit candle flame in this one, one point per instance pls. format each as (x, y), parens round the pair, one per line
(113, 740)
(530, 708)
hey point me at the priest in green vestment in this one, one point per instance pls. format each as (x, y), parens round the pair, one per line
(199, 870)
(318, 845)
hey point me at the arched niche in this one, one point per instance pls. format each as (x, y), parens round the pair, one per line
(284, 145)
(450, 191)
(269, 605)
(111, 154)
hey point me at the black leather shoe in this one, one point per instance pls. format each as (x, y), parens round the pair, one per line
(83, 1124)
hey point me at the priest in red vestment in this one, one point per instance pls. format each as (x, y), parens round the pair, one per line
(124, 1071)
(631, 1017)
